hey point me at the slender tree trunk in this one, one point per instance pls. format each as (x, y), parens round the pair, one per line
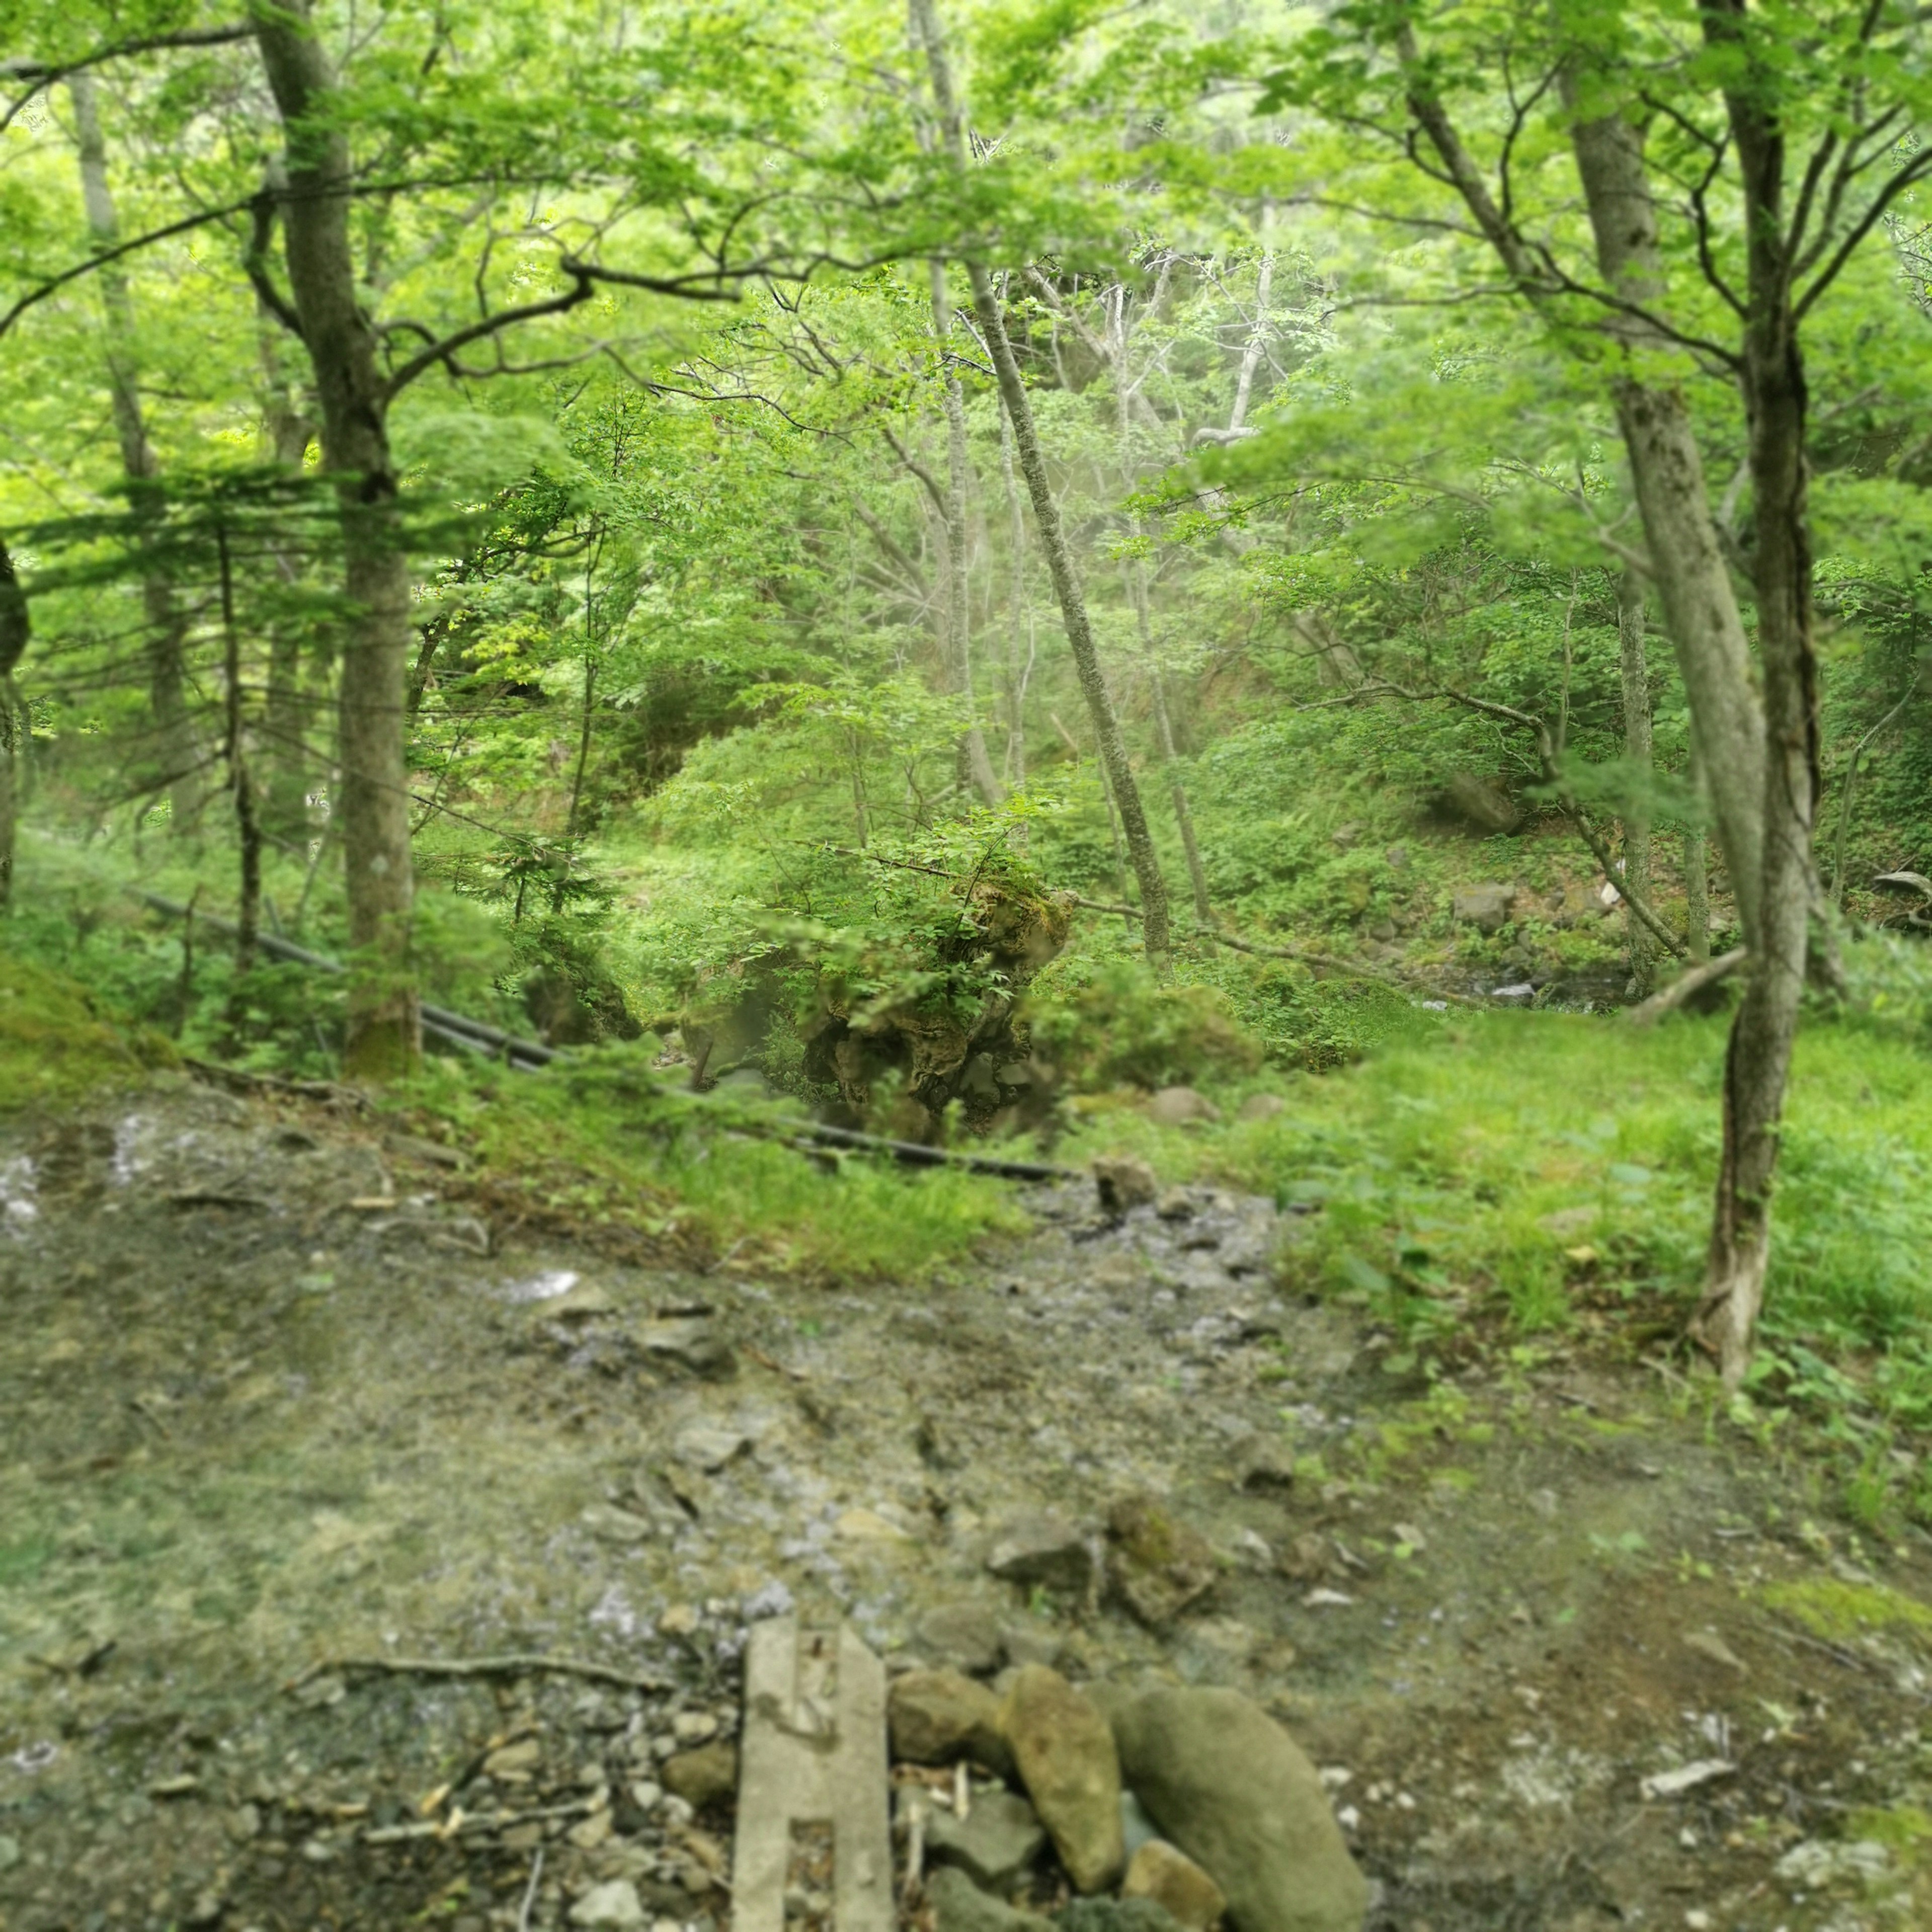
(15, 627)
(1637, 757)
(1696, 876)
(959, 585)
(1019, 672)
(385, 1036)
(1759, 1060)
(1693, 584)
(1052, 536)
(176, 755)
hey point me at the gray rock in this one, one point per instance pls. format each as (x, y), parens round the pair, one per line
(1262, 1462)
(995, 1845)
(1176, 1106)
(1156, 1566)
(1064, 1752)
(1486, 907)
(615, 1905)
(1228, 1787)
(937, 1716)
(1122, 1182)
(1041, 1550)
(958, 1905)
(689, 1342)
(964, 1636)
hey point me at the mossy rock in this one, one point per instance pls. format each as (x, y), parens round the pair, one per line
(55, 1041)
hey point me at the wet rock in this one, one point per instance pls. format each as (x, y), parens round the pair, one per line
(937, 1716)
(702, 1778)
(1229, 1787)
(963, 1636)
(1261, 1107)
(1178, 1106)
(615, 1904)
(1041, 1550)
(958, 1905)
(1261, 1462)
(703, 1446)
(1155, 1566)
(691, 1343)
(1115, 1914)
(995, 1844)
(1064, 1752)
(1123, 1183)
(1175, 1883)
(1486, 906)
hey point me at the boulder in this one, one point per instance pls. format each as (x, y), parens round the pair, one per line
(958, 1905)
(1155, 1566)
(1230, 1788)
(937, 1716)
(1480, 802)
(1177, 1106)
(1122, 1182)
(1176, 1883)
(1064, 1751)
(705, 1777)
(995, 1845)
(963, 1636)
(1041, 1550)
(1486, 906)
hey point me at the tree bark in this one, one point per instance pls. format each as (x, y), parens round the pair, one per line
(1637, 756)
(1053, 537)
(1693, 584)
(176, 755)
(385, 1037)
(15, 627)
(958, 604)
(1758, 1059)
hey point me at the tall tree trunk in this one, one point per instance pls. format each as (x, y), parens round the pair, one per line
(1052, 536)
(959, 586)
(176, 755)
(286, 429)
(15, 627)
(1637, 756)
(385, 1036)
(1759, 1060)
(1696, 874)
(1693, 584)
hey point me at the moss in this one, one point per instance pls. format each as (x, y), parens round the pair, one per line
(1834, 1609)
(55, 1041)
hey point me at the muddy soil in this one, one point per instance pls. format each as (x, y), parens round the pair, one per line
(278, 1415)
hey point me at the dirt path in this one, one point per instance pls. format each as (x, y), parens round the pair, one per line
(266, 1399)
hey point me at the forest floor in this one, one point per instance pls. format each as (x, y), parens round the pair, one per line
(274, 1394)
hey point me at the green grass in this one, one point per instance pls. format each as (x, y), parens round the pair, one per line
(1548, 1167)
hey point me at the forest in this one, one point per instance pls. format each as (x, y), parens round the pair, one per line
(786, 787)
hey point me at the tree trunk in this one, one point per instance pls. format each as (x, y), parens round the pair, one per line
(1019, 674)
(1760, 1056)
(176, 755)
(959, 604)
(1052, 536)
(1637, 757)
(15, 627)
(1694, 585)
(385, 1037)
(1697, 877)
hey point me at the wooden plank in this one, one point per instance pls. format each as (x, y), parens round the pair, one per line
(812, 1753)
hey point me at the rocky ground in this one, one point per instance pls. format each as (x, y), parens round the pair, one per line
(288, 1429)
